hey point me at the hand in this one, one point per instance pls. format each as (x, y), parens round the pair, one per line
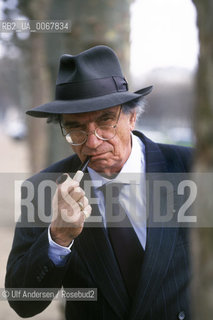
(70, 208)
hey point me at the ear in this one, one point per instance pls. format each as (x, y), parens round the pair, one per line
(132, 120)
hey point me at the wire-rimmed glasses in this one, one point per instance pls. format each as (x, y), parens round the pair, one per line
(77, 137)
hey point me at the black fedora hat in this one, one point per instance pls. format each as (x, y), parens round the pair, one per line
(89, 81)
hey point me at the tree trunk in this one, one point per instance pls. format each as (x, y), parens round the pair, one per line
(38, 139)
(39, 78)
(202, 238)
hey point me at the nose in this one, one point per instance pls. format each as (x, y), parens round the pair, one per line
(92, 141)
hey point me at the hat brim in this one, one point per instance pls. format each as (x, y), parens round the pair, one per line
(86, 105)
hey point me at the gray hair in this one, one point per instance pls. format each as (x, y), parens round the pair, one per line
(137, 106)
(54, 118)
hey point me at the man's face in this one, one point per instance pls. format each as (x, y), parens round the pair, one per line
(106, 156)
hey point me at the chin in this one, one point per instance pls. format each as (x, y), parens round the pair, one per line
(98, 165)
(104, 167)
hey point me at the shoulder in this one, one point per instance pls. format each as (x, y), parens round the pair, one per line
(176, 158)
(177, 154)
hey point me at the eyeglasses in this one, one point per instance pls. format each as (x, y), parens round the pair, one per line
(79, 137)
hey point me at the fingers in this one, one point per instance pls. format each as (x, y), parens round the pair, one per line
(87, 211)
(83, 202)
(72, 202)
(70, 209)
(85, 208)
(77, 215)
(69, 187)
(76, 193)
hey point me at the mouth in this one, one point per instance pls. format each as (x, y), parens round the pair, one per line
(100, 156)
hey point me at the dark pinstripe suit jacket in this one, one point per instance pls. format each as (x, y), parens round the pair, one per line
(163, 290)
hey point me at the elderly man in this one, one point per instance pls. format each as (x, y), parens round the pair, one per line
(139, 271)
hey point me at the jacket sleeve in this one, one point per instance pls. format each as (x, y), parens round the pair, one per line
(29, 267)
(28, 264)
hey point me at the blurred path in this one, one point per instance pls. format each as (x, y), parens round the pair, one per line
(14, 159)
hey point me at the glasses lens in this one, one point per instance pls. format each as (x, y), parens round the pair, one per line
(106, 132)
(76, 137)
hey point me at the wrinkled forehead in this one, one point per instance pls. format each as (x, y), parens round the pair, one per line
(89, 116)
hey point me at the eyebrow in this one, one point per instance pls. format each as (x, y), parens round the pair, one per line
(74, 124)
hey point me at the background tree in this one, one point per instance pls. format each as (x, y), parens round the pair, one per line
(202, 239)
(93, 22)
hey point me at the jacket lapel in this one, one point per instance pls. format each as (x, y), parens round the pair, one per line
(158, 254)
(160, 240)
(95, 250)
